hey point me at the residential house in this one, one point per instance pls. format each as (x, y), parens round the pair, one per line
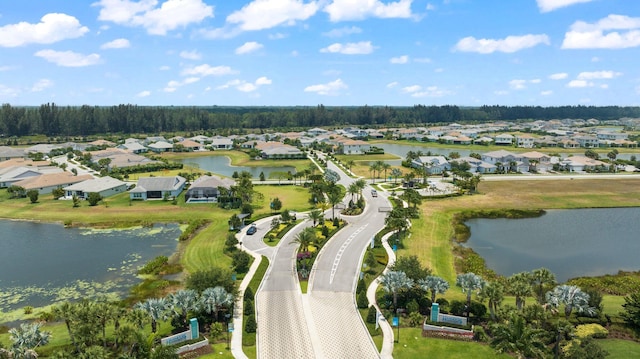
(434, 165)
(277, 150)
(160, 146)
(133, 147)
(568, 143)
(153, 139)
(484, 140)
(158, 188)
(190, 145)
(104, 186)
(536, 160)
(11, 175)
(612, 136)
(102, 143)
(580, 164)
(351, 147)
(525, 141)
(7, 153)
(504, 139)
(46, 183)
(477, 166)
(587, 141)
(505, 160)
(207, 189)
(316, 131)
(221, 143)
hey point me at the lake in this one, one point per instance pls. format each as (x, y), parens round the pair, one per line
(570, 243)
(41, 263)
(222, 165)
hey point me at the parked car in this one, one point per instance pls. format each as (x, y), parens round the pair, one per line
(252, 229)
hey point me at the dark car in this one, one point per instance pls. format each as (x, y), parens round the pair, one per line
(252, 229)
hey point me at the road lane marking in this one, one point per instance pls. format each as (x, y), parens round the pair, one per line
(336, 261)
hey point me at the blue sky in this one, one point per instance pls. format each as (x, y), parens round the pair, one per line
(331, 52)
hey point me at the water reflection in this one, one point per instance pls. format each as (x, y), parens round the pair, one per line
(222, 165)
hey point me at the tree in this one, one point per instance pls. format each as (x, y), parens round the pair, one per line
(515, 336)
(33, 195)
(316, 216)
(396, 220)
(156, 309)
(519, 285)
(181, 302)
(213, 277)
(57, 193)
(392, 282)
(262, 177)
(276, 204)
(334, 196)
(240, 261)
(76, 201)
(385, 167)
(214, 300)
(433, 284)
(541, 279)
(26, 338)
(494, 292)
(469, 282)
(331, 176)
(412, 197)
(65, 312)
(395, 173)
(235, 222)
(572, 297)
(16, 192)
(411, 266)
(93, 198)
(631, 314)
(305, 238)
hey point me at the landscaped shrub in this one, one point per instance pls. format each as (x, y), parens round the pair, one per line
(154, 266)
(591, 330)
(412, 306)
(479, 334)
(361, 286)
(361, 299)
(371, 315)
(247, 307)
(248, 294)
(415, 319)
(250, 326)
(240, 261)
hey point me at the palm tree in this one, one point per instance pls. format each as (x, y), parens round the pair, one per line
(515, 336)
(572, 297)
(26, 338)
(434, 284)
(350, 164)
(395, 173)
(412, 197)
(213, 300)
(394, 281)
(469, 282)
(541, 278)
(316, 216)
(156, 310)
(372, 171)
(352, 190)
(396, 220)
(181, 302)
(66, 311)
(494, 291)
(385, 167)
(305, 238)
(334, 196)
(520, 286)
(361, 184)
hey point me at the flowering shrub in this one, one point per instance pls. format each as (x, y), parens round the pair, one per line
(591, 330)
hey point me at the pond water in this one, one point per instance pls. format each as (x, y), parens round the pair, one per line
(222, 165)
(570, 243)
(41, 263)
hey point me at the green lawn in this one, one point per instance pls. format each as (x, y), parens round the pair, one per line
(619, 348)
(413, 345)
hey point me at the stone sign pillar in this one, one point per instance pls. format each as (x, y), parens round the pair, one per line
(435, 311)
(195, 330)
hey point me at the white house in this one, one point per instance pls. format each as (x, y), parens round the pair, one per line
(504, 139)
(525, 141)
(434, 165)
(158, 187)
(104, 186)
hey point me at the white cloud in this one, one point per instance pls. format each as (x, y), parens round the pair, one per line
(352, 48)
(347, 10)
(208, 70)
(600, 35)
(191, 55)
(411, 89)
(431, 91)
(190, 80)
(344, 31)
(116, 44)
(249, 47)
(400, 60)
(535, 81)
(509, 44)
(559, 76)
(550, 5)
(266, 14)
(41, 85)
(392, 84)
(244, 86)
(331, 89)
(430, 7)
(579, 83)
(546, 93)
(52, 28)
(68, 58)
(8, 92)
(501, 92)
(598, 75)
(143, 94)
(518, 84)
(164, 68)
(7, 68)
(171, 15)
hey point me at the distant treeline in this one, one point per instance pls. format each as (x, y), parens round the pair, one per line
(53, 120)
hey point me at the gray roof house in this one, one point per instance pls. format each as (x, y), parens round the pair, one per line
(205, 189)
(7, 153)
(104, 186)
(158, 188)
(432, 164)
(11, 175)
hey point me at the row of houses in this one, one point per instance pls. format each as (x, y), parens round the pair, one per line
(502, 160)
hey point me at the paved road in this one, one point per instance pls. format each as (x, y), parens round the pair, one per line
(341, 332)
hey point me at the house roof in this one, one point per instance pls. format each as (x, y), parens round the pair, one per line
(212, 182)
(10, 152)
(159, 184)
(534, 155)
(16, 162)
(190, 144)
(96, 185)
(499, 154)
(161, 145)
(51, 180)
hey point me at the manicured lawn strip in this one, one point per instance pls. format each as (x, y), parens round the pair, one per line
(376, 334)
(240, 158)
(206, 249)
(619, 348)
(413, 345)
(295, 198)
(254, 284)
